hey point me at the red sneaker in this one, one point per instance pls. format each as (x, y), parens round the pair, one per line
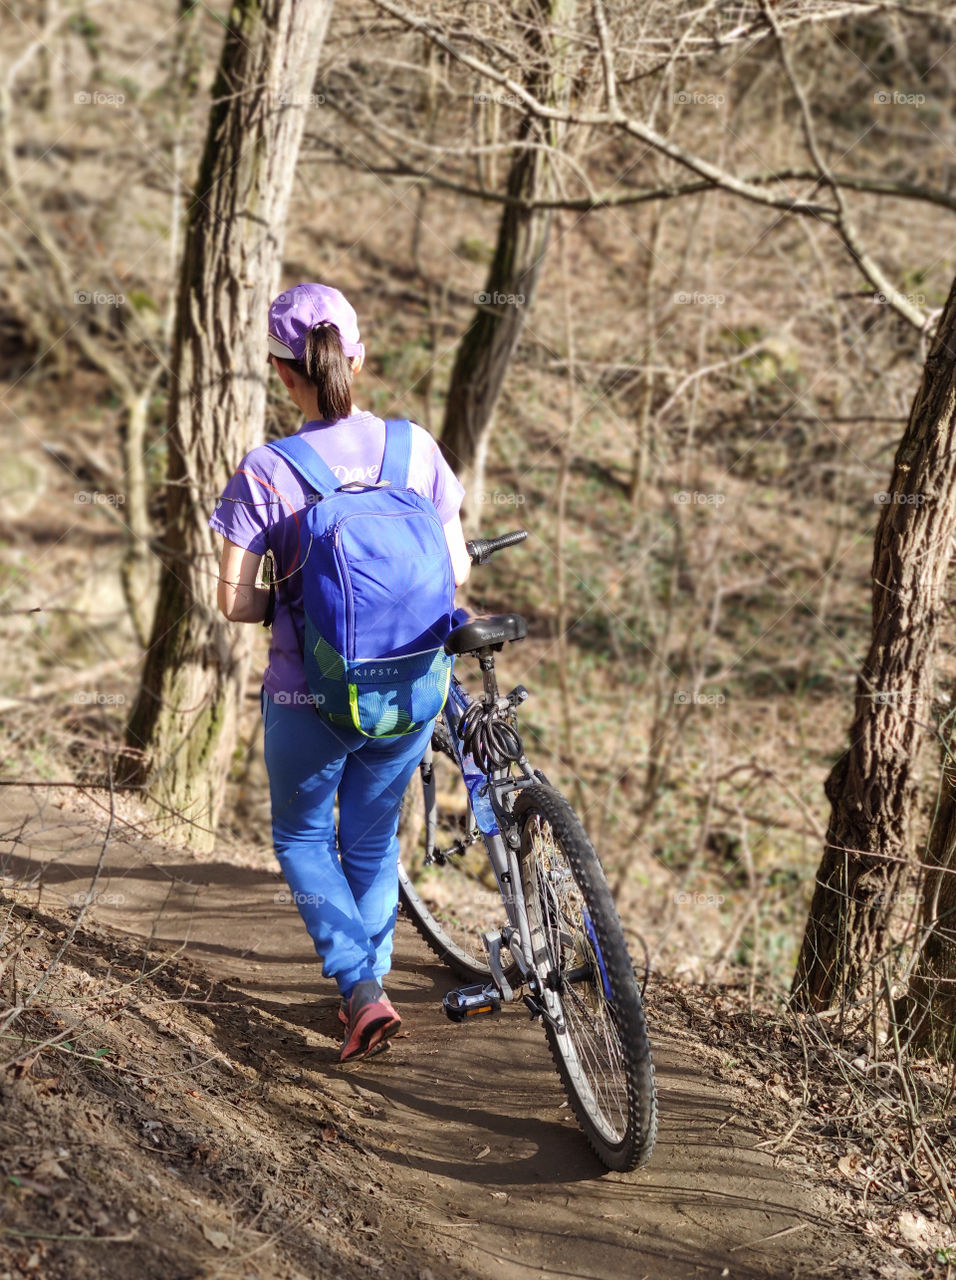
(371, 1019)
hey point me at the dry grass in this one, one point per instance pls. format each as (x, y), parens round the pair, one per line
(713, 642)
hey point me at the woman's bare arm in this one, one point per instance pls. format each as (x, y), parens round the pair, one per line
(460, 559)
(238, 596)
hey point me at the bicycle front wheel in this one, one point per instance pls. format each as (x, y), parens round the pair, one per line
(602, 1052)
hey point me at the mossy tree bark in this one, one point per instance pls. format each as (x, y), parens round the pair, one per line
(182, 731)
(872, 787)
(502, 307)
(929, 1008)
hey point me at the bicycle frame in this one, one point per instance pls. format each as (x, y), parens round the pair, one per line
(488, 804)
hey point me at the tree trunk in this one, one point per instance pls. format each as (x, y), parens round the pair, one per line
(485, 350)
(872, 786)
(930, 1005)
(503, 305)
(182, 731)
(138, 569)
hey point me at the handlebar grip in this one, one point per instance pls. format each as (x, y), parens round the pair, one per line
(480, 549)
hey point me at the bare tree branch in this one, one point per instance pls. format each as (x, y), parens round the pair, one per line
(615, 117)
(844, 225)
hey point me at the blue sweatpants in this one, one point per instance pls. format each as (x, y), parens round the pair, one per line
(346, 890)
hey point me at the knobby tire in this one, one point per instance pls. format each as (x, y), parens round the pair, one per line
(603, 1055)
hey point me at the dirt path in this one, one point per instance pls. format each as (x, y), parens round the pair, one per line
(467, 1124)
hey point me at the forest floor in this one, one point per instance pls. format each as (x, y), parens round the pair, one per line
(173, 1091)
(698, 610)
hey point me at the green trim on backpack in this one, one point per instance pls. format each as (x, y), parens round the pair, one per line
(395, 721)
(379, 706)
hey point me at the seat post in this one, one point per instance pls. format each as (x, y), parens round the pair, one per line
(489, 681)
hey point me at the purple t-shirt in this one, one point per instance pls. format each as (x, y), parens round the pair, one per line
(260, 506)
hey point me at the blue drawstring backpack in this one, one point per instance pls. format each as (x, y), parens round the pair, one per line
(378, 591)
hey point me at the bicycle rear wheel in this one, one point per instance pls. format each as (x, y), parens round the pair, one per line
(446, 885)
(603, 1055)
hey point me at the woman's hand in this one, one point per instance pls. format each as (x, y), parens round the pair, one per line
(238, 596)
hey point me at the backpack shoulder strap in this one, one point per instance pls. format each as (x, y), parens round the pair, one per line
(398, 452)
(300, 455)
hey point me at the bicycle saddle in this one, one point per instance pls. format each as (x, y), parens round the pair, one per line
(486, 632)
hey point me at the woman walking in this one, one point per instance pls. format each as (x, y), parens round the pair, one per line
(344, 883)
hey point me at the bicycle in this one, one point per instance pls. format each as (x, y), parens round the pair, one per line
(561, 948)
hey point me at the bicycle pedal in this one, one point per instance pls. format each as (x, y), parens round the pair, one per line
(471, 1002)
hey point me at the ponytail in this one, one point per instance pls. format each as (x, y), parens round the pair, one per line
(329, 370)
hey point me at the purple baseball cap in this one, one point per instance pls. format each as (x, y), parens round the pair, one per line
(294, 312)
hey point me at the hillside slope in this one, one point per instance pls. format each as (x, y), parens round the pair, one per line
(188, 1116)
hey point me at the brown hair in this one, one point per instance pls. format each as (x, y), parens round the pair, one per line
(329, 370)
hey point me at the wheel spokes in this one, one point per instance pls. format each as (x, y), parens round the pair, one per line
(592, 1050)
